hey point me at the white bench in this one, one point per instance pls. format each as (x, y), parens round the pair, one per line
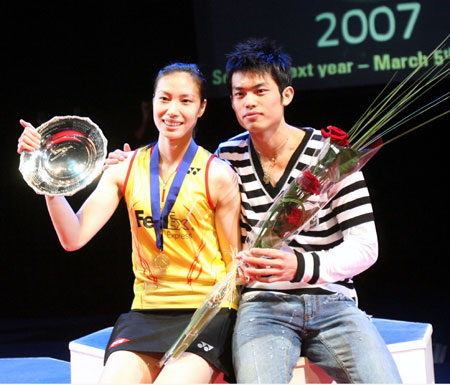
(409, 343)
(86, 356)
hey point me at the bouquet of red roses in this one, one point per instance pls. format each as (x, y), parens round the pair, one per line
(294, 207)
(345, 153)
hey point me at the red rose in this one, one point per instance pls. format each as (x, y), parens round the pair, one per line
(295, 217)
(336, 134)
(310, 183)
(290, 219)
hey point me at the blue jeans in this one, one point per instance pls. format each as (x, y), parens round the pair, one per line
(273, 329)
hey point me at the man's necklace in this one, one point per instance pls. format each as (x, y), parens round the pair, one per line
(273, 161)
(266, 176)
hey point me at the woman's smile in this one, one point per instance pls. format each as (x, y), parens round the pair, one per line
(172, 123)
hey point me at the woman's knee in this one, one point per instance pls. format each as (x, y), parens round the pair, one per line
(130, 367)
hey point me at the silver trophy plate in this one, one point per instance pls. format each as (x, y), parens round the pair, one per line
(72, 152)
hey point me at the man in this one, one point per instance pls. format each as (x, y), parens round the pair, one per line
(303, 301)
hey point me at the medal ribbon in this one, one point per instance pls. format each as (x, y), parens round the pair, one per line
(158, 221)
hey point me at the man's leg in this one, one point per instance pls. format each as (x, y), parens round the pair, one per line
(342, 340)
(266, 346)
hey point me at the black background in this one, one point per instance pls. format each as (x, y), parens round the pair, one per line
(74, 59)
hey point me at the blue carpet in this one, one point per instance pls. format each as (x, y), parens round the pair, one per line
(34, 370)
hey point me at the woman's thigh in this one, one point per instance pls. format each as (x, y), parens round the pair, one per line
(189, 368)
(131, 367)
(137, 368)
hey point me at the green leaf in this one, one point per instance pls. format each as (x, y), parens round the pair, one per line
(348, 160)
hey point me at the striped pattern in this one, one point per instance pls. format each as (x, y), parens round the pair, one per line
(327, 262)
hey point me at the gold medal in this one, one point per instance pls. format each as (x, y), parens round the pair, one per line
(160, 263)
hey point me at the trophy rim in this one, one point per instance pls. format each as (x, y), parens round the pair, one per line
(73, 129)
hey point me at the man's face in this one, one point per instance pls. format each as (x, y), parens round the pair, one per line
(256, 101)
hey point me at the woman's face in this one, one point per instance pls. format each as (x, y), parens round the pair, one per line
(177, 105)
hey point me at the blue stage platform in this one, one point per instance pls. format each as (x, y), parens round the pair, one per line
(34, 370)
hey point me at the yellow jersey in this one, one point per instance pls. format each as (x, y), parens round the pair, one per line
(191, 262)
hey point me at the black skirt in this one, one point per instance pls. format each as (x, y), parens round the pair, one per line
(155, 331)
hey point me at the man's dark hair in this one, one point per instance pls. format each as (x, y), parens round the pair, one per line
(260, 56)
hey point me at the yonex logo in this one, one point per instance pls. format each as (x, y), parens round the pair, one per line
(193, 170)
(205, 346)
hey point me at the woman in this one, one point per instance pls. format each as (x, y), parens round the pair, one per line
(181, 245)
